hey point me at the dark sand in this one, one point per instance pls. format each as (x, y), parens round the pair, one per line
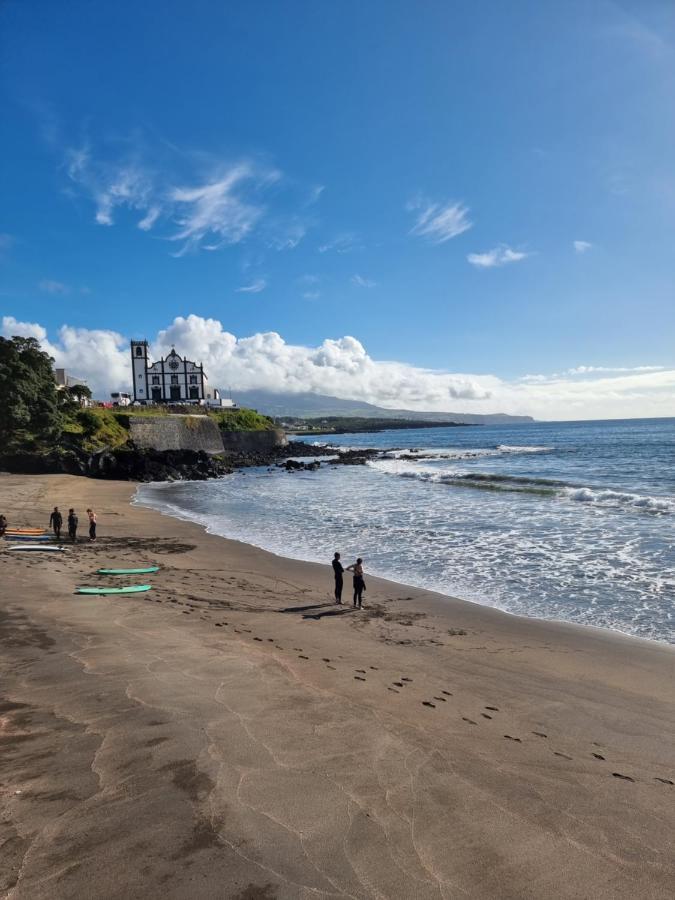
(233, 734)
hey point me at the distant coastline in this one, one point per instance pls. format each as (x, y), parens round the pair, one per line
(355, 425)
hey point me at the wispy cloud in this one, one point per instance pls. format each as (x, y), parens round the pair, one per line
(498, 256)
(360, 281)
(223, 204)
(591, 371)
(581, 246)
(49, 286)
(343, 243)
(255, 287)
(315, 193)
(437, 222)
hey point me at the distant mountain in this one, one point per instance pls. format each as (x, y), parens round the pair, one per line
(316, 406)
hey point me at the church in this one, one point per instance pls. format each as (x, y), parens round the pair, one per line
(173, 379)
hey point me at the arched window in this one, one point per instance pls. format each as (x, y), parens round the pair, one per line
(139, 351)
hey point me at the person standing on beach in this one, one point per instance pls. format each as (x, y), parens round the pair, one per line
(338, 570)
(359, 583)
(92, 524)
(3, 525)
(56, 521)
(72, 525)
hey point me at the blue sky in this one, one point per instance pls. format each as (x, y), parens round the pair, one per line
(479, 188)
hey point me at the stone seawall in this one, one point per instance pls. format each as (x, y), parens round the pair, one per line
(252, 441)
(176, 433)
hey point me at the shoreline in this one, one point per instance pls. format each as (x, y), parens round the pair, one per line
(440, 596)
(233, 733)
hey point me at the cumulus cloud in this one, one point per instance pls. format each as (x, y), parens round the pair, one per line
(499, 256)
(438, 222)
(342, 367)
(255, 287)
(581, 246)
(49, 286)
(360, 281)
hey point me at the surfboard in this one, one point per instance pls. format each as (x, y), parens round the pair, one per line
(29, 537)
(127, 571)
(131, 589)
(28, 546)
(29, 531)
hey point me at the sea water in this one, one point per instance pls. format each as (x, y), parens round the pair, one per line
(572, 521)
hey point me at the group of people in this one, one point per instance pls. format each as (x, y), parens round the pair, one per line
(56, 524)
(359, 583)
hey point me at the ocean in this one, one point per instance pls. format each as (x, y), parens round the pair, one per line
(572, 521)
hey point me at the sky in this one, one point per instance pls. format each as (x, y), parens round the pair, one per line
(462, 206)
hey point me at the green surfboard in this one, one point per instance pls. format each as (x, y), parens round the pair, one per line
(127, 571)
(131, 589)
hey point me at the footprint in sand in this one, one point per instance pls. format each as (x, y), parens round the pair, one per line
(563, 755)
(622, 777)
(442, 699)
(493, 708)
(485, 716)
(664, 780)
(374, 668)
(470, 721)
(510, 737)
(300, 656)
(257, 639)
(360, 671)
(393, 690)
(427, 703)
(403, 678)
(278, 647)
(398, 683)
(325, 659)
(447, 693)
(219, 624)
(597, 755)
(358, 678)
(540, 734)
(331, 667)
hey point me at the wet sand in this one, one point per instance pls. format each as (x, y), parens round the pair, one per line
(232, 733)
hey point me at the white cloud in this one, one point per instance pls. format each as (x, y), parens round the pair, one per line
(255, 287)
(360, 281)
(343, 367)
(437, 222)
(205, 211)
(498, 256)
(581, 246)
(49, 286)
(315, 193)
(343, 243)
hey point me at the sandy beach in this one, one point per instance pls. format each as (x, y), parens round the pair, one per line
(232, 733)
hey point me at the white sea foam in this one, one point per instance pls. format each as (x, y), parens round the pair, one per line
(642, 502)
(464, 453)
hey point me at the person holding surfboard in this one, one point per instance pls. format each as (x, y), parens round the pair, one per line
(72, 525)
(56, 521)
(92, 524)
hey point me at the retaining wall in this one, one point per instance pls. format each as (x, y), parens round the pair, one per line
(176, 433)
(253, 441)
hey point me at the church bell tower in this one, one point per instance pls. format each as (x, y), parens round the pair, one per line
(139, 367)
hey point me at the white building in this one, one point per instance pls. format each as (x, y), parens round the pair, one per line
(173, 379)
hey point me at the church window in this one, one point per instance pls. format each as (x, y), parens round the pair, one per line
(193, 379)
(174, 379)
(139, 351)
(155, 379)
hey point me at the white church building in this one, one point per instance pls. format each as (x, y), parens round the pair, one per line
(173, 379)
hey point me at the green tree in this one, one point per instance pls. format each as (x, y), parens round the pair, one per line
(29, 414)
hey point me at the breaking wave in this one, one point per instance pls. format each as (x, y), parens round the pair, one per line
(522, 484)
(469, 453)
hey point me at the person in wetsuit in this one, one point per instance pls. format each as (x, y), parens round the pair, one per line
(3, 525)
(56, 521)
(359, 583)
(338, 570)
(72, 525)
(92, 524)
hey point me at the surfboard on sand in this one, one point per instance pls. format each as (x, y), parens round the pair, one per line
(35, 538)
(11, 531)
(144, 571)
(130, 589)
(27, 546)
